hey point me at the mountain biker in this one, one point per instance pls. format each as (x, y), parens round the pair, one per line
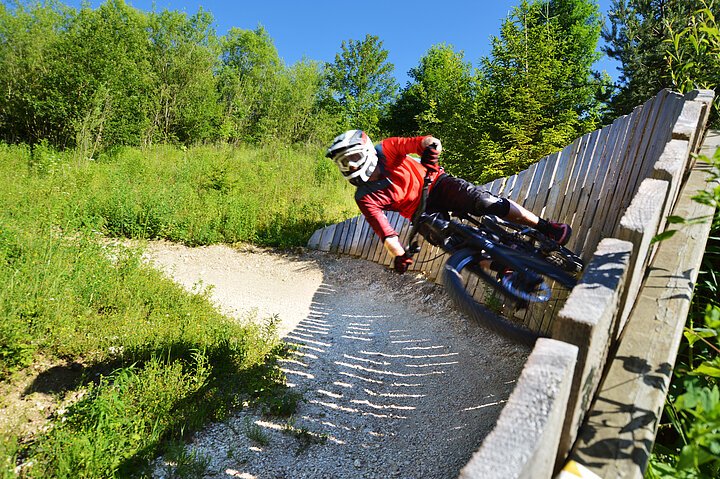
(387, 178)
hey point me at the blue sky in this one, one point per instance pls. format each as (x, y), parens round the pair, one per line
(316, 29)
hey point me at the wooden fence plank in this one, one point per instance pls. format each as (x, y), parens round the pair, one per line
(522, 187)
(706, 97)
(509, 186)
(343, 247)
(380, 250)
(314, 240)
(563, 172)
(575, 185)
(661, 136)
(687, 125)
(670, 167)
(497, 186)
(370, 242)
(517, 186)
(436, 260)
(639, 225)
(651, 151)
(613, 158)
(536, 198)
(537, 408)
(326, 238)
(355, 236)
(587, 201)
(363, 240)
(340, 231)
(617, 191)
(423, 256)
(530, 192)
(587, 321)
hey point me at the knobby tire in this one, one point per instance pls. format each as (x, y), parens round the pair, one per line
(455, 286)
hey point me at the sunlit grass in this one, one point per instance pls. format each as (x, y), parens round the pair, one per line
(157, 362)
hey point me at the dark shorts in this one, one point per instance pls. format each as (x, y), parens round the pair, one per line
(455, 194)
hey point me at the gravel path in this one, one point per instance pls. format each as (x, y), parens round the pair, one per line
(396, 383)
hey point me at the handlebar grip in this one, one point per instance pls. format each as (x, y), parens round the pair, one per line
(412, 249)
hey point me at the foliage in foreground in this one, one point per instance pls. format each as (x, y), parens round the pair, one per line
(157, 362)
(688, 439)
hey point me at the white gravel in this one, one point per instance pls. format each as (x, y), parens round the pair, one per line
(395, 382)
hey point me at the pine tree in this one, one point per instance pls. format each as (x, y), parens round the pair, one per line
(537, 89)
(637, 37)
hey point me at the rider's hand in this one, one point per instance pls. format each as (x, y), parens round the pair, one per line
(402, 263)
(430, 158)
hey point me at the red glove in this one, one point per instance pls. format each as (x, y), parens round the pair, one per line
(430, 158)
(402, 263)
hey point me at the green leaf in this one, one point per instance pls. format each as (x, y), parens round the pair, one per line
(663, 236)
(707, 369)
(687, 459)
(675, 219)
(693, 335)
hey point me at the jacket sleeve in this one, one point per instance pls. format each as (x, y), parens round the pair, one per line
(396, 148)
(375, 216)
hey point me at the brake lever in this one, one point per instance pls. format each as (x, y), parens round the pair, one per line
(412, 249)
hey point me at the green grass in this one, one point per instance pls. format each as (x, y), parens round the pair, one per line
(157, 362)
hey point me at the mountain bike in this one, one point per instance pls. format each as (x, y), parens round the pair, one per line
(521, 268)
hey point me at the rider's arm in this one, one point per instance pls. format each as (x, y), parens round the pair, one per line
(371, 207)
(397, 148)
(393, 245)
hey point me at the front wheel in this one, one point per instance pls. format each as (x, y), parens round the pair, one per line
(495, 303)
(459, 269)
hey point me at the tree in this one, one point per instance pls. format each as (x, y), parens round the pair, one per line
(359, 84)
(580, 88)
(27, 36)
(536, 91)
(693, 56)
(637, 37)
(249, 67)
(183, 55)
(98, 81)
(293, 114)
(438, 101)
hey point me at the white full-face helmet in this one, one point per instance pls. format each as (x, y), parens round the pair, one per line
(355, 155)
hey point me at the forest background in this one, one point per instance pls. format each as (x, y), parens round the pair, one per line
(144, 124)
(101, 78)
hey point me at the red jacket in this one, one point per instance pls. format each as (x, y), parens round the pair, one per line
(399, 186)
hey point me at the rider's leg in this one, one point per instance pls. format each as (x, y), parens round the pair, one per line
(560, 232)
(455, 194)
(519, 214)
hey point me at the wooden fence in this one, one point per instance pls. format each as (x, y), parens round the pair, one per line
(587, 185)
(616, 187)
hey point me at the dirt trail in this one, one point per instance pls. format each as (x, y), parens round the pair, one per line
(396, 383)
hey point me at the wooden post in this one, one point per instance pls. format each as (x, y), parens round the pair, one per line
(617, 436)
(587, 320)
(638, 226)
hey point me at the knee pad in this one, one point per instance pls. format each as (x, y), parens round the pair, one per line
(490, 204)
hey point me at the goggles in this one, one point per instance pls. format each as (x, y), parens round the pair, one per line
(352, 160)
